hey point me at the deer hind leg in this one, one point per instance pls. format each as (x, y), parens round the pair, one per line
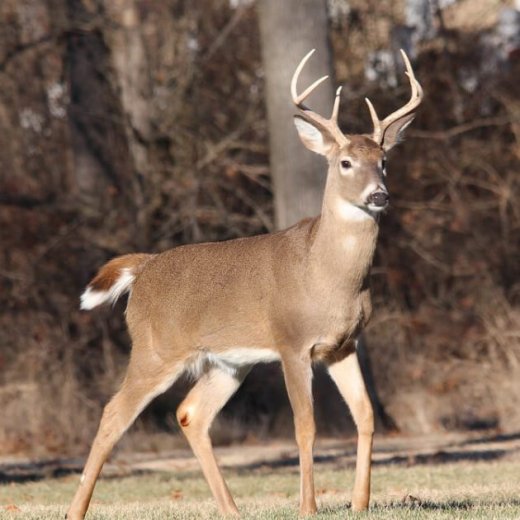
(298, 380)
(144, 380)
(195, 415)
(349, 380)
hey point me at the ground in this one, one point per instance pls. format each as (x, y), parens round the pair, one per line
(449, 476)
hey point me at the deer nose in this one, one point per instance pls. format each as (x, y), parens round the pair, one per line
(379, 198)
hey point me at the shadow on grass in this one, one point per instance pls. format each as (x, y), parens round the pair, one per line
(491, 438)
(50, 469)
(443, 457)
(56, 468)
(413, 503)
(438, 457)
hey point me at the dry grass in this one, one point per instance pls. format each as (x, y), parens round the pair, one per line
(469, 490)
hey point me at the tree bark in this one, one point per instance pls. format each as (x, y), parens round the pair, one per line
(289, 30)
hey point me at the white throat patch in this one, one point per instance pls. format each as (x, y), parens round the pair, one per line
(350, 212)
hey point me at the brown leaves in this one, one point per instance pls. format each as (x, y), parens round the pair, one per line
(176, 494)
(12, 508)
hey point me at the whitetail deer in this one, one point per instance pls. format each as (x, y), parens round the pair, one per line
(298, 296)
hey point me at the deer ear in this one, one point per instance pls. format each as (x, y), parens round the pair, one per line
(394, 133)
(316, 139)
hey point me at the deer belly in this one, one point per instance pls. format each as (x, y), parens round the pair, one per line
(230, 360)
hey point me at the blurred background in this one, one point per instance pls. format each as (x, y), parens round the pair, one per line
(138, 125)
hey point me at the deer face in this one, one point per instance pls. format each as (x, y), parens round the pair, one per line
(356, 162)
(356, 166)
(360, 168)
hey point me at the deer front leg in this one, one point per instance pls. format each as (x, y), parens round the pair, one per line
(297, 371)
(349, 380)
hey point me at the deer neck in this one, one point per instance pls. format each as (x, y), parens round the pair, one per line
(345, 239)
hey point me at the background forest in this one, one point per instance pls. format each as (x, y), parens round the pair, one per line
(138, 125)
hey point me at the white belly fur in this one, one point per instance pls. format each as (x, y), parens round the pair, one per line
(230, 360)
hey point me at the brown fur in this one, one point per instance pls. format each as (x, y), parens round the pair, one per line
(108, 274)
(362, 147)
(301, 293)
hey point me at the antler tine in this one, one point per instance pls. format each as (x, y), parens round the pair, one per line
(415, 100)
(305, 94)
(415, 85)
(296, 74)
(298, 99)
(335, 108)
(375, 121)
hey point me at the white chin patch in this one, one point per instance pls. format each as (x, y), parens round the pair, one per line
(376, 209)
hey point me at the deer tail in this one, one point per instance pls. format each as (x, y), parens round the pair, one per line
(113, 279)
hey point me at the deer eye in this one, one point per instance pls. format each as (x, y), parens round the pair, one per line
(383, 166)
(346, 164)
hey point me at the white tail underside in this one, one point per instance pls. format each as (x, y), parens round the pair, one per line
(92, 298)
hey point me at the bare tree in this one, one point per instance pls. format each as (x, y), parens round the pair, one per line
(289, 29)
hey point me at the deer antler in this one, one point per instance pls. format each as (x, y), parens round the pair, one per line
(380, 127)
(329, 124)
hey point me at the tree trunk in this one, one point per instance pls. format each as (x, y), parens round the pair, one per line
(132, 76)
(289, 30)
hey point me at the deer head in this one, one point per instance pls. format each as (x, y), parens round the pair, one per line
(357, 163)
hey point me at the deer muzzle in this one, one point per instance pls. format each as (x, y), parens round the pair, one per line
(379, 199)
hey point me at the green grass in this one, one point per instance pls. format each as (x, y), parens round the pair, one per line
(480, 490)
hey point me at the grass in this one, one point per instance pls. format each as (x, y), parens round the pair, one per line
(475, 490)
